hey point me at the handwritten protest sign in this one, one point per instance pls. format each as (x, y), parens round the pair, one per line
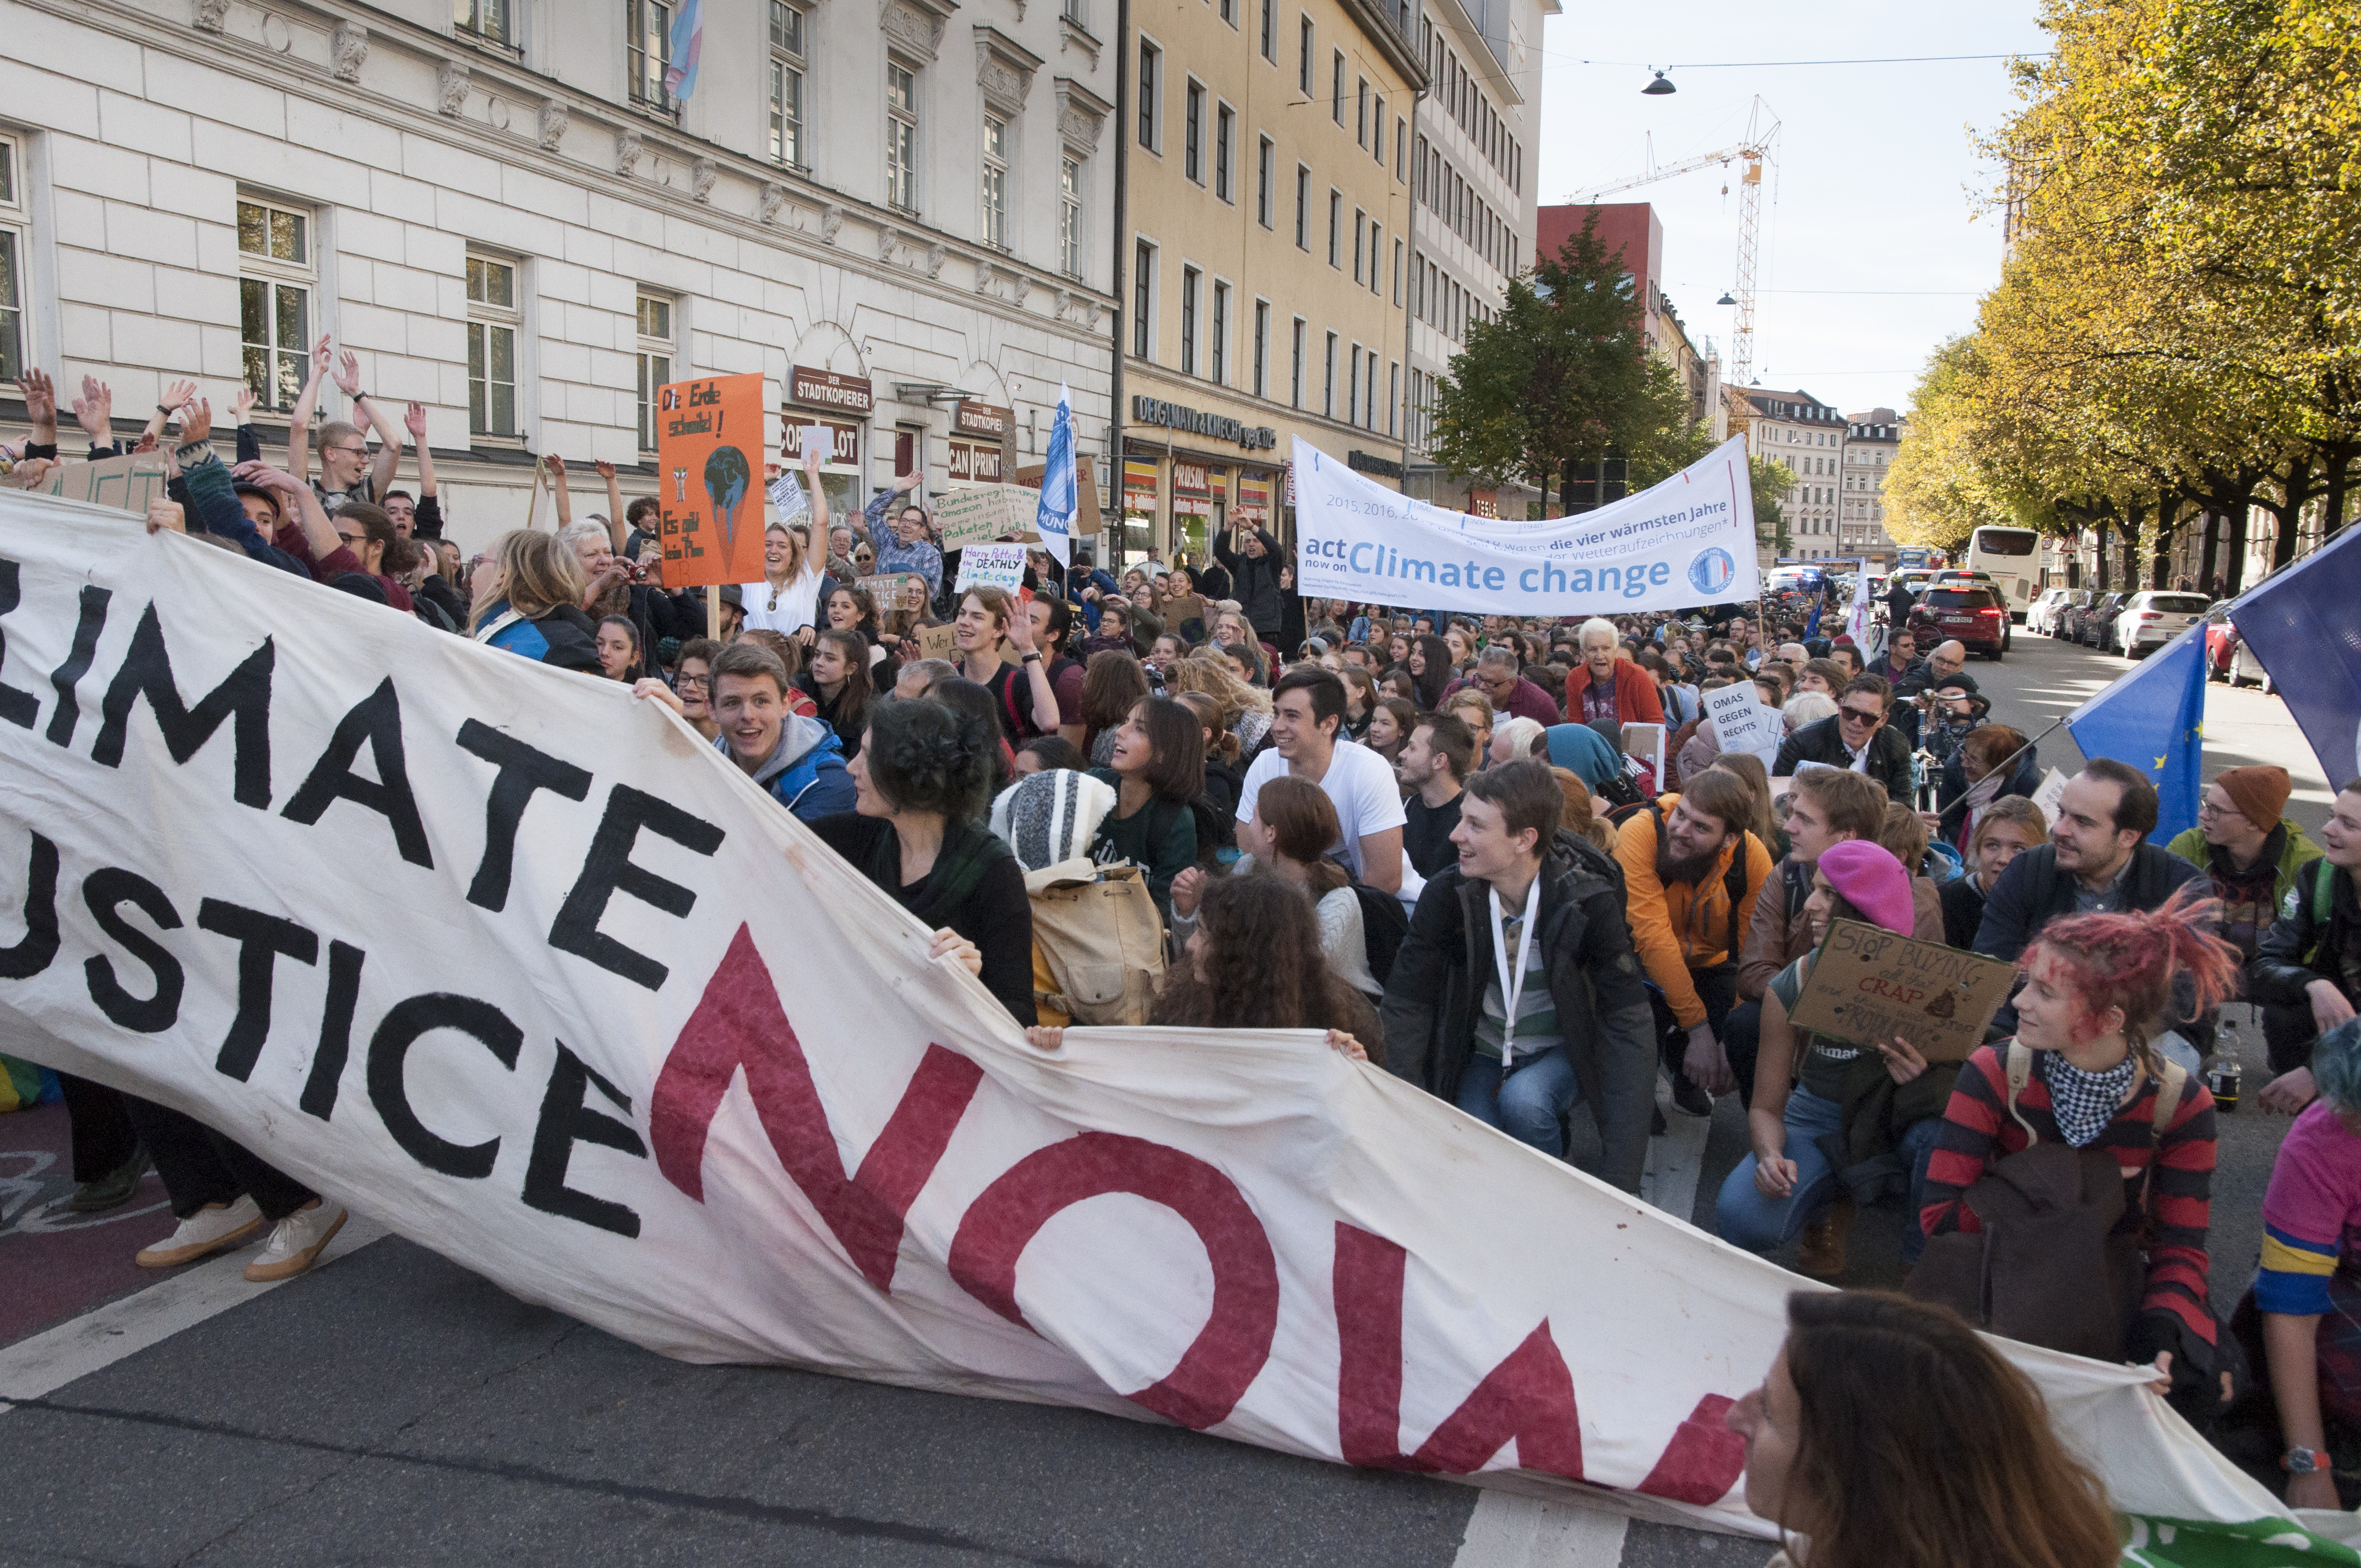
(1868, 985)
(1743, 724)
(2052, 791)
(938, 643)
(707, 484)
(991, 565)
(129, 482)
(982, 513)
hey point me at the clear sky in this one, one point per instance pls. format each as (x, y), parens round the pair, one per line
(1874, 242)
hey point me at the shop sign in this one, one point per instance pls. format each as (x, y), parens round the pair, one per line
(1253, 505)
(828, 390)
(1173, 416)
(983, 418)
(1138, 486)
(1370, 462)
(974, 463)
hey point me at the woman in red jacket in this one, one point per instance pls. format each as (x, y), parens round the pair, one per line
(1608, 686)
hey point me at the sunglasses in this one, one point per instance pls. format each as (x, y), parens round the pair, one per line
(1859, 715)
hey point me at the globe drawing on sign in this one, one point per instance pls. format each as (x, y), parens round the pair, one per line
(727, 478)
(1711, 571)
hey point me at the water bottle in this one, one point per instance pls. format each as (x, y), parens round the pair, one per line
(2223, 1079)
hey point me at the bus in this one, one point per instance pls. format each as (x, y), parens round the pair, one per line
(2013, 557)
(1916, 558)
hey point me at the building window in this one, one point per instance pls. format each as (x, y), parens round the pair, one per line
(1303, 59)
(1353, 387)
(1369, 398)
(1192, 134)
(655, 361)
(1361, 116)
(1360, 223)
(1401, 146)
(1378, 131)
(1262, 348)
(492, 318)
(1328, 381)
(1295, 386)
(647, 34)
(1069, 217)
(1271, 30)
(484, 19)
(1189, 276)
(996, 182)
(1219, 343)
(1266, 174)
(12, 267)
(1225, 126)
(1143, 294)
(901, 135)
(1302, 208)
(1151, 90)
(276, 275)
(1079, 12)
(786, 86)
(1336, 88)
(1393, 397)
(1335, 228)
(1398, 272)
(1376, 258)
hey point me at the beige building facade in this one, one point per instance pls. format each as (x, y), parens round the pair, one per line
(1267, 257)
(1806, 437)
(1872, 439)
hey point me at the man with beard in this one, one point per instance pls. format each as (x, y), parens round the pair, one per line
(1691, 873)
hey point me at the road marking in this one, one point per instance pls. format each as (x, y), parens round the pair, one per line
(1510, 1531)
(55, 1357)
(1676, 1161)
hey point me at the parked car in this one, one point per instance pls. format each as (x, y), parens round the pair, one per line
(2070, 620)
(1968, 613)
(2091, 628)
(2042, 617)
(2227, 657)
(2149, 620)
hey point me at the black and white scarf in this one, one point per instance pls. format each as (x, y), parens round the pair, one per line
(2082, 1103)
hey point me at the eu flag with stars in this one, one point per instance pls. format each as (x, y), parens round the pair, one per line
(2151, 718)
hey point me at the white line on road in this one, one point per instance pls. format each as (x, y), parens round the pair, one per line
(33, 1367)
(1676, 1161)
(1509, 1532)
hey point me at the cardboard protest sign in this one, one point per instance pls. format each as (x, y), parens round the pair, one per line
(938, 641)
(1086, 492)
(980, 513)
(1182, 609)
(1869, 984)
(128, 483)
(708, 479)
(991, 565)
(1743, 724)
(885, 589)
(640, 1048)
(2052, 791)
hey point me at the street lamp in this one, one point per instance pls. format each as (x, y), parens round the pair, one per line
(1658, 88)
(1725, 299)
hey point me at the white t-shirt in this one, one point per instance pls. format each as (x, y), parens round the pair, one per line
(1358, 782)
(798, 597)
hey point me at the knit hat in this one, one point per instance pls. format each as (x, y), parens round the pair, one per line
(1872, 882)
(1051, 816)
(2260, 793)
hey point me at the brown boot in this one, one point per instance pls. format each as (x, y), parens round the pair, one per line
(1822, 1253)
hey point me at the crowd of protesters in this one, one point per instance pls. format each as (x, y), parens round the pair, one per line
(1506, 860)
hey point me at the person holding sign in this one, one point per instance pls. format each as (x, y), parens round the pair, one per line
(787, 598)
(1789, 1183)
(903, 547)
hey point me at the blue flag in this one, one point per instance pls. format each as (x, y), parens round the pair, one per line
(2301, 625)
(688, 43)
(2151, 718)
(1060, 493)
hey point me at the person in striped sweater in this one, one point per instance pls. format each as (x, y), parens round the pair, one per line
(2096, 990)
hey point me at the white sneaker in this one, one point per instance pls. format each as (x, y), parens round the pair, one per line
(209, 1230)
(295, 1243)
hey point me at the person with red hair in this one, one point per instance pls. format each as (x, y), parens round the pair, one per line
(2034, 1123)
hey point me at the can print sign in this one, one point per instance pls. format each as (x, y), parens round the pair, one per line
(710, 479)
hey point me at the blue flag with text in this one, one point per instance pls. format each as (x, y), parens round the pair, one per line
(2152, 718)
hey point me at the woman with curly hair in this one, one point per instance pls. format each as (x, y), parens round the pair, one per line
(924, 778)
(850, 608)
(1246, 709)
(1965, 1473)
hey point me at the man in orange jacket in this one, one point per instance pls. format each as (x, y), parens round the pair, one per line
(1691, 873)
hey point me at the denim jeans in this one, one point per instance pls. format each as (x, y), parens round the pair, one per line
(1530, 1105)
(1744, 1216)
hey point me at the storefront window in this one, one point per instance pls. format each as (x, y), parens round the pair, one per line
(1139, 510)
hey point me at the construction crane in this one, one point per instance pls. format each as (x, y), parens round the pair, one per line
(1762, 137)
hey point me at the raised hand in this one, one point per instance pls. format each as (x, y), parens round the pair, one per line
(322, 357)
(163, 513)
(413, 420)
(94, 410)
(557, 467)
(260, 473)
(241, 405)
(196, 420)
(178, 394)
(348, 374)
(603, 468)
(41, 396)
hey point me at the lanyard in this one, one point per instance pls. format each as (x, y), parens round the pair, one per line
(1511, 988)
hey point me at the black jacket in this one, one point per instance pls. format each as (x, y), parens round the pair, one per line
(1255, 583)
(976, 888)
(1434, 996)
(2301, 948)
(1821, 741)
(2035, 890)
(2024, 778)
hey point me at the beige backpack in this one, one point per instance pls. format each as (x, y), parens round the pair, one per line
(1098, 942)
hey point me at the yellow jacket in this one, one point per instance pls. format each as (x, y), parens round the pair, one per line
(1686, 925)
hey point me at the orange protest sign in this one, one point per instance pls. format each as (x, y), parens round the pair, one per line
(710, 479)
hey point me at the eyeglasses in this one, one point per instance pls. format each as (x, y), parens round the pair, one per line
(689, 681)
(348, 451)
(475, 561)
(354, 540)
(2207, 808)
(1859, 715)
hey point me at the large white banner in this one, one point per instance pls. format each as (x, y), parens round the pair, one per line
(520, 967)
(1689, 541)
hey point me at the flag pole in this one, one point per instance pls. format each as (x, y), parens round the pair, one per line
(2004, 762)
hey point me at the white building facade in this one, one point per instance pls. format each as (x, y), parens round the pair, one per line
(896, 212)
(1474, 141)
(1807, 436)
(1872, 439)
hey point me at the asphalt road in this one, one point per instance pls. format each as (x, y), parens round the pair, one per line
(391, 1408)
